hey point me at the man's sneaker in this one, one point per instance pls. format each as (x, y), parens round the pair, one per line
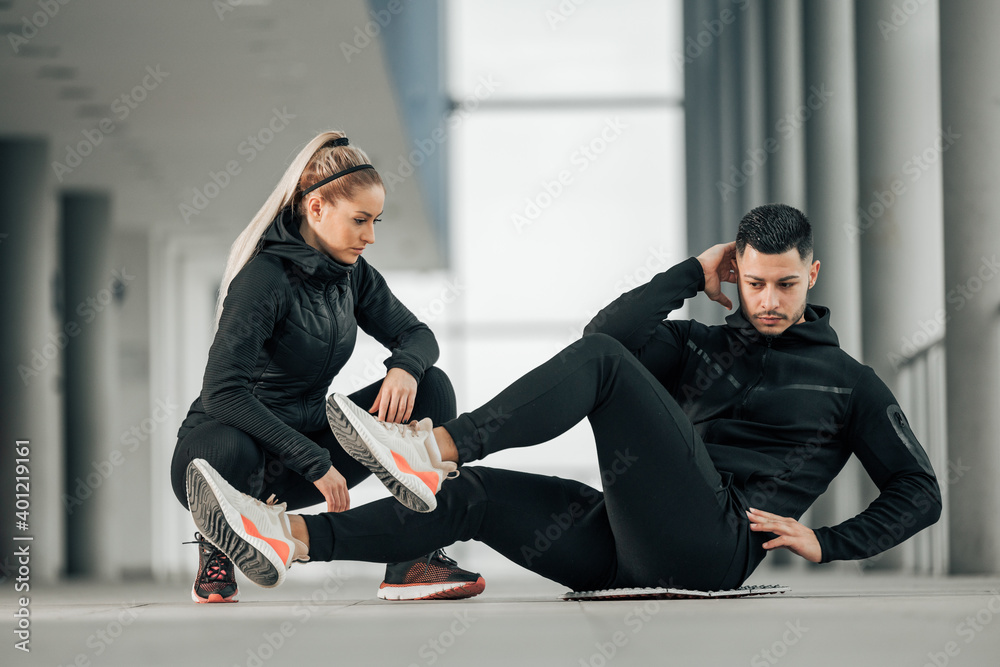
(433, 577)
(404, 456)
(256, 536)
(216, 578)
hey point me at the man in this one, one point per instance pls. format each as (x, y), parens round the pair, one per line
(712, 442)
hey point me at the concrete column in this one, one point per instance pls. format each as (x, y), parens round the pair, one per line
(899, 173)
(755, 128)
(730, 101)
(786, 163)
(89, 286)
(413, 42)
(970, 52)
(30, 357)
(701, 132)
(899, 222)
(138, 415)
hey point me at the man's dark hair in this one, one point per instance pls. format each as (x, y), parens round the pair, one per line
(772, 229)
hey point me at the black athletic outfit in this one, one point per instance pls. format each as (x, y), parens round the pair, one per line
(288, 325)
(693, 425)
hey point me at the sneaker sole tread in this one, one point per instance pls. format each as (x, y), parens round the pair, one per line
(353, 440)
(213, 521)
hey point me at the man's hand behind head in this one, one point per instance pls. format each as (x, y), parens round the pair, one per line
(719, 265)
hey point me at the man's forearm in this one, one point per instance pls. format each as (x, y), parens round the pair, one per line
(901, 511)
(632, 317)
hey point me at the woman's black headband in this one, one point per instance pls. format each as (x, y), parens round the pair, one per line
(342, 141)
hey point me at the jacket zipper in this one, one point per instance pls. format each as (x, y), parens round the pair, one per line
(329, 348)
(760, 377)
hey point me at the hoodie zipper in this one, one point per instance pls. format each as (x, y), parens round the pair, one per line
(760, 377)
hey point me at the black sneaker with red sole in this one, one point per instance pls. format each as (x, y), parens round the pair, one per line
(216, 578)
(432, 577)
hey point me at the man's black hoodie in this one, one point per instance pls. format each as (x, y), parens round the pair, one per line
(780, 415)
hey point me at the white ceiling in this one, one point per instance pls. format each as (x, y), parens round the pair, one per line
(228, 65)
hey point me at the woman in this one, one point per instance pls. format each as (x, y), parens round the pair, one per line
(294, 291)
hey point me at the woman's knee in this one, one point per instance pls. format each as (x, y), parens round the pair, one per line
(436, 396)
(232, 452)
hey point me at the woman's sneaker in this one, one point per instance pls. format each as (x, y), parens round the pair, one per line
(433, 577)
(216, 578)
(256, 536)
(405, 457)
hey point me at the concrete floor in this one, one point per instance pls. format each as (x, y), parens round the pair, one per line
(823, 620)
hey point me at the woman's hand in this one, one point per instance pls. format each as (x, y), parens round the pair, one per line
(719, 265)
(792, 535)
(394, 402)
(333, 486)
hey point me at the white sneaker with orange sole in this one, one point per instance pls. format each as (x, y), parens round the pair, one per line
(256, 536)
(405, 457)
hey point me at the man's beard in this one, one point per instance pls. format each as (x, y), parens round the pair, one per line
(753, 318)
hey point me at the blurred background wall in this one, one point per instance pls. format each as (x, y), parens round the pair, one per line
(541, 158)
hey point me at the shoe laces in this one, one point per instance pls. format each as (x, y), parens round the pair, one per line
(403, 430)
(443, 557)
(217, 566)
(410, 431)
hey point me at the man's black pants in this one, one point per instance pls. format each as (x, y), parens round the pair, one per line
(665, 516)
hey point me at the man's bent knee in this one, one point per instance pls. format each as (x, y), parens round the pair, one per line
(595, 345)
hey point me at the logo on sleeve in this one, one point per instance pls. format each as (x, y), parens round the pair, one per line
(902, 428)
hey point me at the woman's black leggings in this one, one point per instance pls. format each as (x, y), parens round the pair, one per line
(254, 470)
(666, 516)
